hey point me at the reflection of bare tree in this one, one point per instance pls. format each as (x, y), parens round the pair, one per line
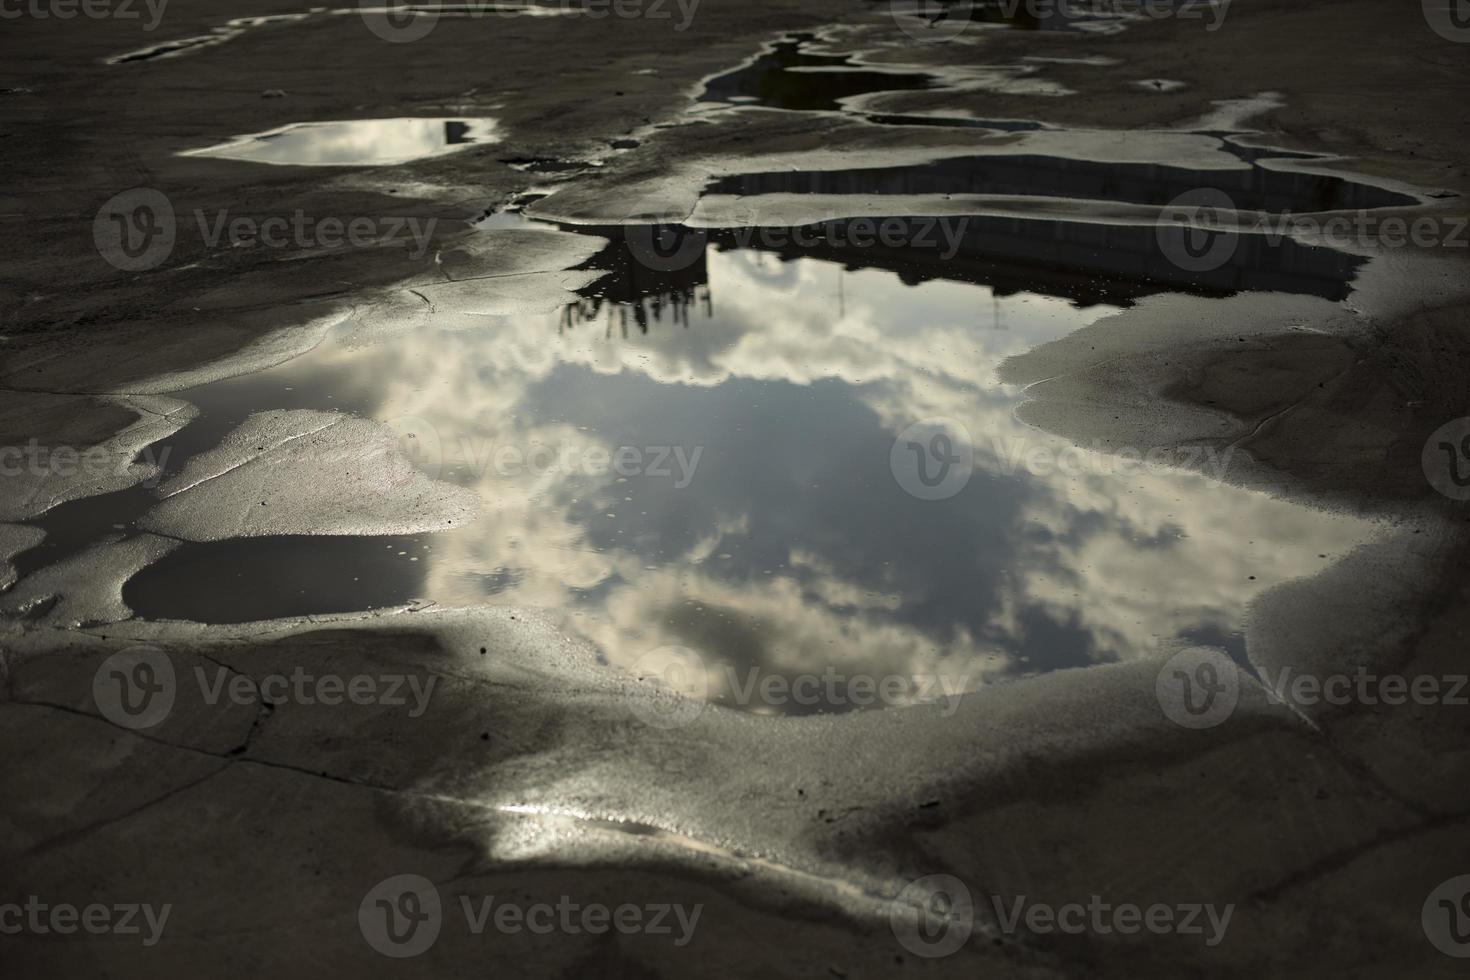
(630, 291)
(639, 309)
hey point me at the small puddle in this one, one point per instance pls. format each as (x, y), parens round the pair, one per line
(788, 77)
(355, 142)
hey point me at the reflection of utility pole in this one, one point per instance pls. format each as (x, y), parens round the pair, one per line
(841, 300)
(995, 323)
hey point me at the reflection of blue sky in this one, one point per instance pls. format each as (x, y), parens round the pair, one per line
(806, 472)
(356, 142)
(794, 547)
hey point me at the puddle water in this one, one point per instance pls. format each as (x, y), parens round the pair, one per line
(791, 77)
(714, 457)
(355, 142)
(1059, 16)
(1087, 264)
(788, 77)
(1252, 189)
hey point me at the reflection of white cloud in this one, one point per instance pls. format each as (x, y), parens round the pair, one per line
(356, 142)
(1131, 559)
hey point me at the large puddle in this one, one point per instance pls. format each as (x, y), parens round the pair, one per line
(779, 457)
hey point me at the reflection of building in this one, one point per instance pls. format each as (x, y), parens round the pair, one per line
(1083, 262)
(1087, 263)
(1249, 188)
